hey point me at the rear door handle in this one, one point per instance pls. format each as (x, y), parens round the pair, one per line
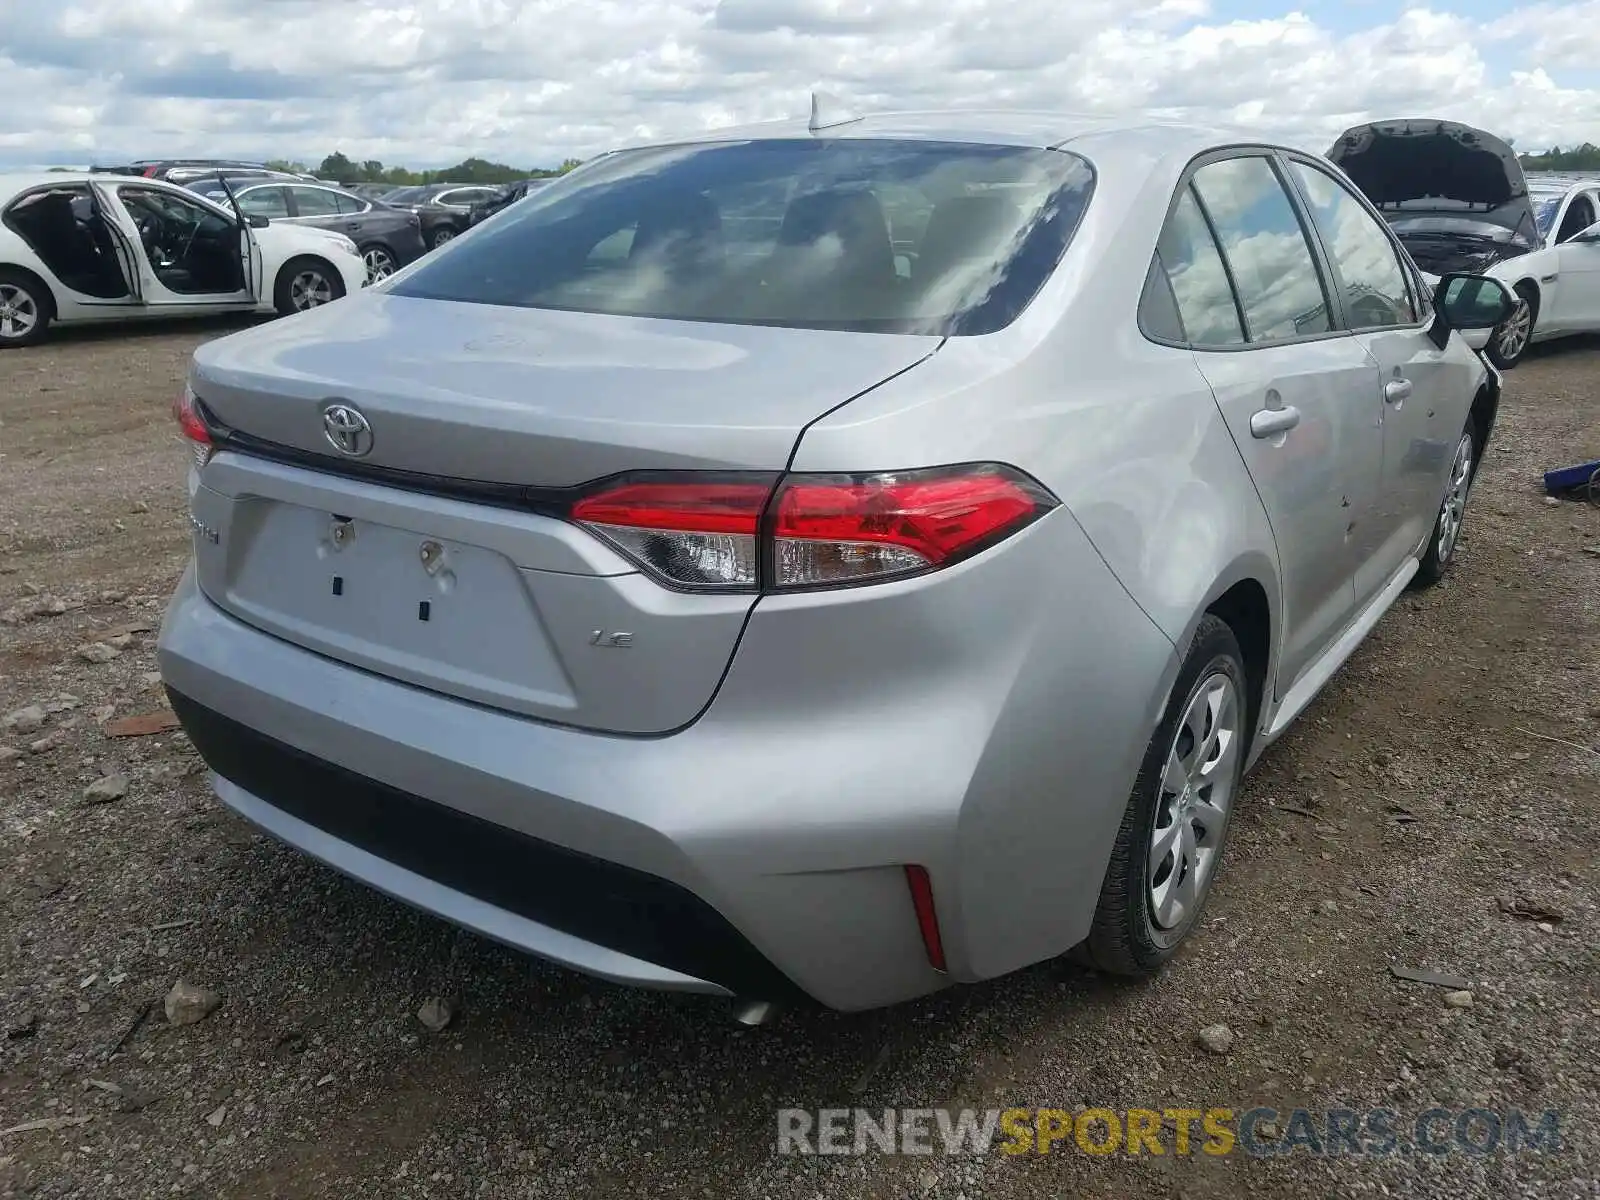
(1397, 390)
(1270, 422)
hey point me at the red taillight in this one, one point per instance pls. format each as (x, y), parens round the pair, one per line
(691, 532)
(847, 529)
(192, 426)
(927, 917)
(709, 507)
(705, 531)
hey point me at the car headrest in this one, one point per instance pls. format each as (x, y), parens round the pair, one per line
(967, 227)
(687, 225)
(854, 217)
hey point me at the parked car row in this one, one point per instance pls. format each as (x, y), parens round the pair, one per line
(1456, 197)
(92, 246)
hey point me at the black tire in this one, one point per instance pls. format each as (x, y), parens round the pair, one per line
(441, 235)
(1502, 357)
(381, 261)
(1126, 938)
(28, 307)
(287, 297)
(1444, 543)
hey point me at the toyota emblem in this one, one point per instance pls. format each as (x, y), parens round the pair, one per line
(347, 430)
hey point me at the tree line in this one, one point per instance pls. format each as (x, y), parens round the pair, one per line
(1580, 158)
(342, 169)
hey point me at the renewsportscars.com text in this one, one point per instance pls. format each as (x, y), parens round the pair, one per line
(1177, 1131)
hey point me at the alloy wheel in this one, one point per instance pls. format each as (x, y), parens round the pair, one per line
(309, 289)
(380, 264)
(1512, 338)
(1195, 801)
(19, 312)
(442, 236)
(1453, 512)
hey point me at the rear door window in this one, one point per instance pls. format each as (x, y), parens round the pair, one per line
(1273, 268)
(1371, 277)
(314, 202)
(860, 234)
(264, 202)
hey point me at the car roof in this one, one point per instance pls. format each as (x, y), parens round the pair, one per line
(21, 181)
(1560, 185)
(1003, 127)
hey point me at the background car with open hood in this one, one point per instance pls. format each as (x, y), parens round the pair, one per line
(1458, 199)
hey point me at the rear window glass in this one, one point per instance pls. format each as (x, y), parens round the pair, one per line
(870, 235)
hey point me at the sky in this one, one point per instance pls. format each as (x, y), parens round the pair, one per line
(427, 83)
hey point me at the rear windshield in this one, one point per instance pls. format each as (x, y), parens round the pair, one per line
(869, 235)
(405, 195)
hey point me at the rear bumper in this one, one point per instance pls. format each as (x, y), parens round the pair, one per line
(955, 722)
(599, 916)
(636, 860)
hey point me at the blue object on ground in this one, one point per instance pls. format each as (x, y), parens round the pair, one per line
(1566, 479)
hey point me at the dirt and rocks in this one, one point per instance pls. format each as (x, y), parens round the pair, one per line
(1407, 920)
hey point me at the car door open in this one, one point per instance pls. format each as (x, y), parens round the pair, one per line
(131, 259)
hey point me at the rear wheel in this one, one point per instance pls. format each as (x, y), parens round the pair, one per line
(380, 262)
(1512, 336)
(1446, 535)
(440, 236)
(1170, 844)
(304, 284)
(25, 310)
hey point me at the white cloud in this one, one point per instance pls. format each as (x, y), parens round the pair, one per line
(429, 82)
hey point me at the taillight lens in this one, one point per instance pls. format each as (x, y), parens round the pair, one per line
(192, 426)
(694, 532)
(738, 533)
(839, 529)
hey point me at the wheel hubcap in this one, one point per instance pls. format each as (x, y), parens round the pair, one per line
(18, 312)
(443, 236)
(1453, 511)
(309, 289)
(1196, 798)
(1514, 333)
(379, 265)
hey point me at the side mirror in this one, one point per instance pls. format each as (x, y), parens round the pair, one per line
(1470, 302)
(257, 221)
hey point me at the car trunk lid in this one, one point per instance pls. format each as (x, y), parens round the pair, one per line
(413, 558)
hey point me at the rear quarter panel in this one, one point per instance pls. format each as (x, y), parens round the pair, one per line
(1128, 435)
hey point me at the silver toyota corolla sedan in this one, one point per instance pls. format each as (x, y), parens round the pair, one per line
(823, 563)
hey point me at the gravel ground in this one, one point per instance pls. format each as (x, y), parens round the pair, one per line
(1448, 775)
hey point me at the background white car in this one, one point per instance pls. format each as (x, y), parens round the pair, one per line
(1560, 282)
(1459, 201)
(82, 248)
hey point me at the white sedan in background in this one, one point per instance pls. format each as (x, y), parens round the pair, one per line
(1458, 199)
(78, 248)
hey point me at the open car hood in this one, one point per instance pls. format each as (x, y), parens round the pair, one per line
(1421, 167)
